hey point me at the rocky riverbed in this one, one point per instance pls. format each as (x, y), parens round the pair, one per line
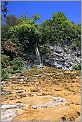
(42, 94)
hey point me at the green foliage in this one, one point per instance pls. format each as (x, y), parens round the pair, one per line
(16, 65)
(30, 20)
(4, 33)
(74, 45)
(23, 20)
(35, 17)
(17, 62)
(47, 31)
(58, 30)
(44, 49)
(25, 36)
(4, 74)
(14, 69)
(77, 67)
(5, 61)
(61, 31)
(59, 16)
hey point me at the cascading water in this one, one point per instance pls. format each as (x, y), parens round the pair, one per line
(38, 58)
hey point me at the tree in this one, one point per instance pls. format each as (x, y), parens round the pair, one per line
(60, 31)
(11, 20)
(45, 31)
(25, 35)
(35, 17)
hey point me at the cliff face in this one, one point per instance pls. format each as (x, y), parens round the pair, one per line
(64, 58)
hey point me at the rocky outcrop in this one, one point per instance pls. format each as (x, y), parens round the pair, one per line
(60, 57)
(64, 58)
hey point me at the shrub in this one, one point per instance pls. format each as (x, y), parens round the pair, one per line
(18, 62)
(16, 65)
(4, 61)
(4, 74)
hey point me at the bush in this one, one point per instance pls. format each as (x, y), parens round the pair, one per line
(11, 71)
(4, 61)
(18, 62)
(4, 74)
(77, 67)
(16, 65)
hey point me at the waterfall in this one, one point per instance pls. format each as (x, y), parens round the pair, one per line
(38, 57)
